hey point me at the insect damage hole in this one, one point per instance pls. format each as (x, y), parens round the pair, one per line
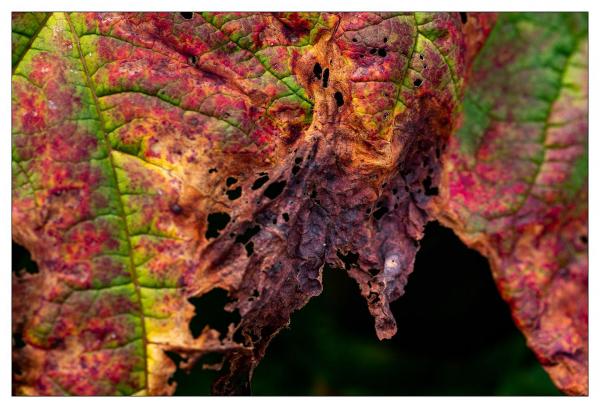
(317, 70)
(235, 193)
(17, 341)
(175, 208)
(210, 311)
(274, 189)
(198, 380)
(187, 15)
(429, 190)
(417, 82)
(216, 222)
(463, 17)
(22, 261)
(245, 237)
(350, 259)
(339, 98)
(380, 212)
(326, 78)
(259, 182)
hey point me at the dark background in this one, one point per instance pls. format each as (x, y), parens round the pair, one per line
(455, 337)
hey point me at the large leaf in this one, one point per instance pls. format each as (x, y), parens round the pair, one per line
(515, 181)
(158, 157)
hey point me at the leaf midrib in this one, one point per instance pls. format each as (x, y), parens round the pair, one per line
(132, 268)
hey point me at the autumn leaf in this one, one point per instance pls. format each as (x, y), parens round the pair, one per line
(162, 157)
(515, 181)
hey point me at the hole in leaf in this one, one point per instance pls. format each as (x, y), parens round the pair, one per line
(384, 39)
(373, 51)
(325, 77)
(380, 212)
(463, 17)
(210, 312)
(216, 222)
(317, 70)
(354, 40)
(176, 358)
(421, 57)
(259, 182)
(350, 259)
(381, 52)
(230, 181)
(295, 169)
(176, 209)
(298, 160)
(193, 60)
(249, 248)
(286, 217)
(583, 239)
(248, 234)
(373, 271)
(417, 82)
(274, 189)
(235, 193)
(18, 342)
(339, 98)
(197, 381)
(21, 260)
(213, 170)
(429, 191)
(187, 16)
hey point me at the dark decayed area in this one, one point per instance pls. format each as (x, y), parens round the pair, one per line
(455, 337)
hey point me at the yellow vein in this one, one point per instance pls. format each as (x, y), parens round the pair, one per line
(134, 279)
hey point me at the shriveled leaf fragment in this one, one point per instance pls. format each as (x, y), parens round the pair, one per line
(514, 183)
(160, 156)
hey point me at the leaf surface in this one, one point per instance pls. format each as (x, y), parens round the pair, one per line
(162, 158)
(514, 184)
